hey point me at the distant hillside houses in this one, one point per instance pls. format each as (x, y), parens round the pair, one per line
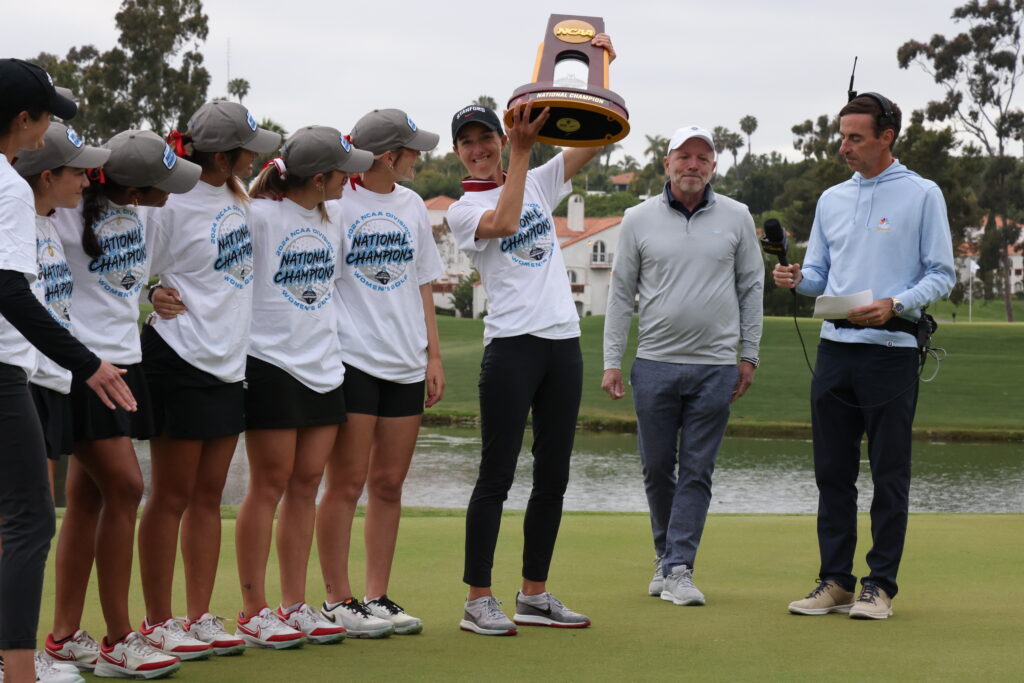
(588, 249)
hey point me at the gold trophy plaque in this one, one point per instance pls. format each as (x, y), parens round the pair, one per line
(583, 113)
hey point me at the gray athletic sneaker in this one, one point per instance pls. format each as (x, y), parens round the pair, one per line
(484, 616)
(657, 583)
(546, 610)
(679, 587)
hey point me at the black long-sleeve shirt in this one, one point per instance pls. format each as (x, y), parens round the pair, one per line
(22, 309)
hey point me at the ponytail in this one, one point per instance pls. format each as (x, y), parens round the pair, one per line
(274, 181)
(182, 145)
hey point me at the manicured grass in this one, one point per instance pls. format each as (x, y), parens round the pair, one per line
(979, 386)
(990, 311)
(957, 616)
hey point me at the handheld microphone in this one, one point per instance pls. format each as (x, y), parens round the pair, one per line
(774, 241)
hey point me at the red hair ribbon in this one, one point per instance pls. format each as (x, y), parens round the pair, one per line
(177, 142)
(279, 163)
(96, 175)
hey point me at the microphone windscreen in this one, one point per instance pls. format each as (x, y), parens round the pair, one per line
(774, 232)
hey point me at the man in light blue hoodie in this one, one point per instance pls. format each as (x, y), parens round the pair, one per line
(885, 230)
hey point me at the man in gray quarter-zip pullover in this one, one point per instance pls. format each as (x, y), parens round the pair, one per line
(693, 258)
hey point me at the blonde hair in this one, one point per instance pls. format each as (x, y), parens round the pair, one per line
(271, 184)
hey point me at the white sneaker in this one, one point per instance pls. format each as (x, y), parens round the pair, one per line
(657, 583)
(679, 588)
(134, 657)
(357, 620)
(171, 638)
(384, 608)
(266, 630)
(51, 672)
(80, 651)
(317, 629)
(210, 629)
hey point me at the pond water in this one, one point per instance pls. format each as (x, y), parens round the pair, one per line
(753, 475)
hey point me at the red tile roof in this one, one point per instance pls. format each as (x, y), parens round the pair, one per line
(591, 226)
(622, 178)
(439, 202)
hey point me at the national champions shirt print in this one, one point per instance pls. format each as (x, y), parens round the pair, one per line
(121, 268)
(230, 234)
(55, 279)
(305, 271)
(381, 248)
(532, 244)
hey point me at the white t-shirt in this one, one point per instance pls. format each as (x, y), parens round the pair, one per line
(17, 253)
(294, 322)
(106, 295)
(524, 275)
(387, 252)
(53, 288)
(200, 245)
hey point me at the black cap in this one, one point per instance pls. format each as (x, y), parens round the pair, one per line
(27, 85)
(474, 113)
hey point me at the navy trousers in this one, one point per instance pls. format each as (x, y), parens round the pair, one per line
(863, 375)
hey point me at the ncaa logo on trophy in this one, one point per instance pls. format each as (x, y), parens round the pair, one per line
(584, 113)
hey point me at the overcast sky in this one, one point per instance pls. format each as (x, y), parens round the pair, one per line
(680, 62)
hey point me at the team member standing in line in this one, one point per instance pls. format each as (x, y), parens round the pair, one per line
(27, 98)
(194, 358)
(105, 243)
(390, 346)
(293, 396)
(532, 359)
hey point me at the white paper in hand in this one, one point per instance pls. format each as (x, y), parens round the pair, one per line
(833, 307)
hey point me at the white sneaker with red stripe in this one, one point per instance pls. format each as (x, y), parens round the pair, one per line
(171, 638)
(317, 629)
(49, 671)
(134, 657)
(268, 631)
(79, 650)
(210, 629)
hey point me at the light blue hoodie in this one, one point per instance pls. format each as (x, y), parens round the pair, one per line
(888, 234)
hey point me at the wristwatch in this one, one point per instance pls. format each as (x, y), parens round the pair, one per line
(897, 306)
(753, 361)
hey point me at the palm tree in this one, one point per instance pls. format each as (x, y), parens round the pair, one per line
(486, 101)
(630, 164)
(733, 142)
(607, 154)
(657, 146)
(748, 124)
(239, 87)
(720, 133)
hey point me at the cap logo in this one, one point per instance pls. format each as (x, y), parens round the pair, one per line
(471, 109)
(411, 124)
(250, 120)
(47, 74)
(170, 158)
(73, 138)
(345, 144)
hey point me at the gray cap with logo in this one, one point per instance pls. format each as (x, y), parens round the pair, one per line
(140, 158)
(386, 129)
(322, 149)
(221, 126)
(62, 147)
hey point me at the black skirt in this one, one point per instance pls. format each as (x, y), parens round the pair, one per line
(92, 420)
(188, 403)
(54, 410)
(276, 400)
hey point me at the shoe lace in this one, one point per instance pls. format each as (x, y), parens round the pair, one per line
(210, 626)
(868, 593)
(175, 630)
(85, 640)
(136, 643)
(492, 608)
(388, 604)
(356, 607)
(305, 617)
(819, 589)
(44, 666)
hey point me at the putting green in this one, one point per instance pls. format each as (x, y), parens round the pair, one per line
(958, 616)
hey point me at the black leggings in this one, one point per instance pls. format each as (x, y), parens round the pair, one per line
(26, 510)
(519, 374)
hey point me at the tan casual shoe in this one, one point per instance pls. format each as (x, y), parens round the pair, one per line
(872, 603)
(828, 597)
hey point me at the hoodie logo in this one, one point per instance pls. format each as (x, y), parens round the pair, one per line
(884, 225)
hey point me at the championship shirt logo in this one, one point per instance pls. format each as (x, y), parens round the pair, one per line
(230, 234)
(122, 267)
(55, 280)
(74, 139)
(305, 272)
(531, 246)
(381, 247)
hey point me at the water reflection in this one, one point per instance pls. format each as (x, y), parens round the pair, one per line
(753, 475)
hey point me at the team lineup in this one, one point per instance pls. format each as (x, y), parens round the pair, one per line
(299, 310)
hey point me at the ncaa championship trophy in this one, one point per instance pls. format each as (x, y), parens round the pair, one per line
(583, 114)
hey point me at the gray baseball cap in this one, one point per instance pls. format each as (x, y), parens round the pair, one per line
(221, 126)
(386, 129)
(322, 149)
(62, 147)
(140, 158)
